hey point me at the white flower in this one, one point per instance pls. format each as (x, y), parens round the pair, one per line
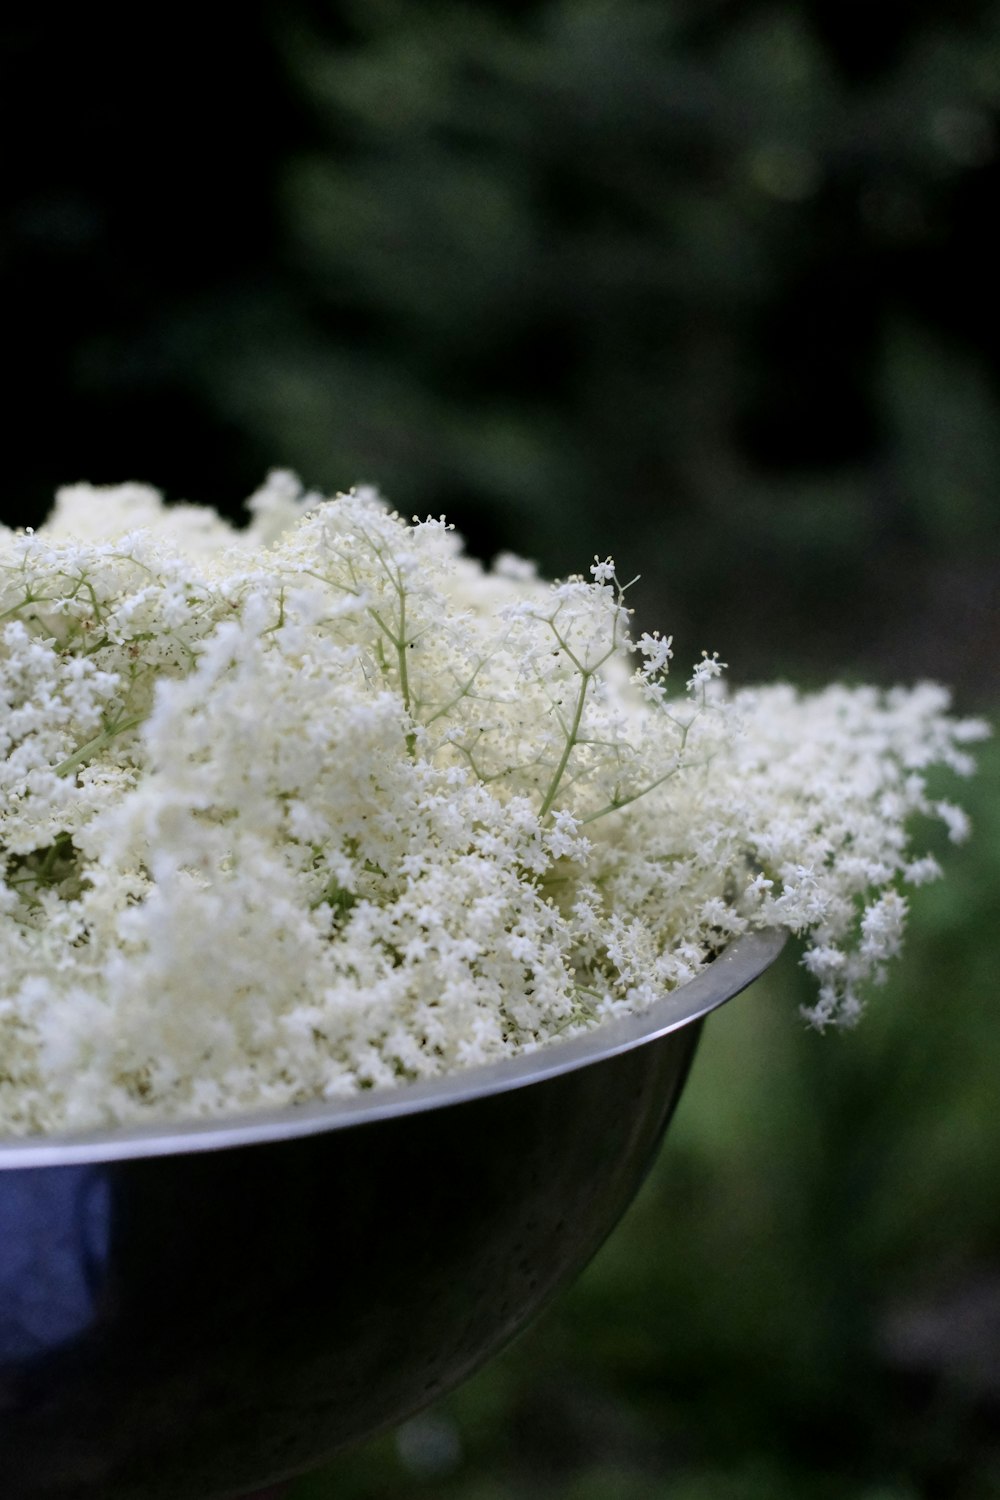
(705, 670)
(955, 819)
(657, 651)
(323, 805)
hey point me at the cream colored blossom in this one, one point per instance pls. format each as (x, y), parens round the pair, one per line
(324, 805)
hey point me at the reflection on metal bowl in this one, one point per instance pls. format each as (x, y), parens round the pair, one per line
(200, 1310)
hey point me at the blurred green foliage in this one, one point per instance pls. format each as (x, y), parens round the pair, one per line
(661, 277)
(804, 1302)
(708, 283)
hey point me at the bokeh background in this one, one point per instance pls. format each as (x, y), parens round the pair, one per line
(708, 285)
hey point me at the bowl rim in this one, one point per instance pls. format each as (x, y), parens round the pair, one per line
(732, 970)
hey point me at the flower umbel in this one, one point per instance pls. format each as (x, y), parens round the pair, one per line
(323, 805)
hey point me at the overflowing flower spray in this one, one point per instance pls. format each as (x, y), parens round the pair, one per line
(323, 805)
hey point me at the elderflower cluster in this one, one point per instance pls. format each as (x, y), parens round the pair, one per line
(323, 805)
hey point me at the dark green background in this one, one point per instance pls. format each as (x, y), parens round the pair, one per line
(711, 286)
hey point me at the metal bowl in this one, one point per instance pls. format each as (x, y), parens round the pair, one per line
(199, 1310)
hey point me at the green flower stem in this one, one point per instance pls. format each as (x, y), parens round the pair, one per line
(571, 740)
(96, 745)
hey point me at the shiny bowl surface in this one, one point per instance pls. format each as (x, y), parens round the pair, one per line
(196, 1311)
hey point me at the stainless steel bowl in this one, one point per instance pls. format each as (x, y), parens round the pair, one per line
(199, 1310)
